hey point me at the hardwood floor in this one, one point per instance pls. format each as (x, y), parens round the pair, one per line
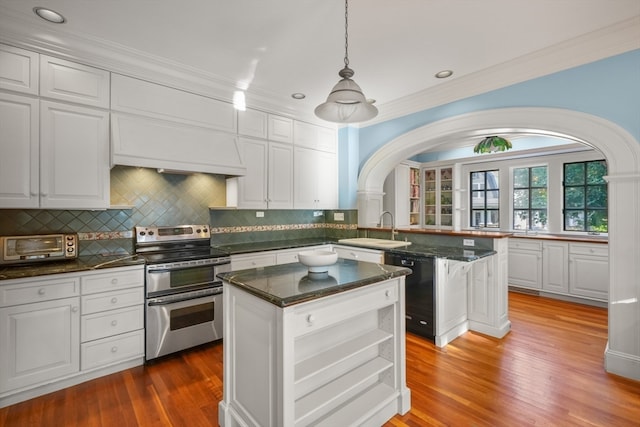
(547, 372)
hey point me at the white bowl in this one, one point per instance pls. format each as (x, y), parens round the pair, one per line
(318, 261)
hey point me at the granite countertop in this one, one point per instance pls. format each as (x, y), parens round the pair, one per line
(288, 284)
(448, 252)
(244, 248)
(83, 263)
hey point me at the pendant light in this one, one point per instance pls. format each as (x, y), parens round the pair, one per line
(346, 103)
(492, 144)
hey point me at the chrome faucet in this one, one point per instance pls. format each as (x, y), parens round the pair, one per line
(393, 227)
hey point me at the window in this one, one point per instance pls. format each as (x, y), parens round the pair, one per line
(585, 196)
(485, 199)
(530, 198)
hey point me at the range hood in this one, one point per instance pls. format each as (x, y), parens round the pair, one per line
(160, 144)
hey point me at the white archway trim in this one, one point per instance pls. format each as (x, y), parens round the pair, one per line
(622, 152)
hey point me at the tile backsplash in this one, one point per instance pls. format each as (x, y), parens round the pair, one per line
(142, 196)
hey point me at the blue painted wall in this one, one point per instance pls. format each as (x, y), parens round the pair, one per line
(609, 88)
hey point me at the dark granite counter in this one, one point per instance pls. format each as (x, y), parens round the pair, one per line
(244, 248)
(448, 252)
(83, 263)
(289, 284)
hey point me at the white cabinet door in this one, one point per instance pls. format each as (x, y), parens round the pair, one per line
(315, 137)
(74, 152)
(280, 129)
(19, 151)
(280, 176)
(68, 81)
(315, 179)
(268, 182)
(555, 262)
(18, 70)
(252, 187)
(253, 123)
(40, 342)
(589, 270)
(525, 268)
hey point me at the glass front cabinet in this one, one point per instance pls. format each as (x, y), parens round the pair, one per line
(438, 197)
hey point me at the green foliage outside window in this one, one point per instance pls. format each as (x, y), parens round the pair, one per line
(530, 198)
(585, 196)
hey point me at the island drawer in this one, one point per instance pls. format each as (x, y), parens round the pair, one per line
(316, 315)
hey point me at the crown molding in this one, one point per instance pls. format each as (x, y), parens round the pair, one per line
(610, 41)
(19, 32)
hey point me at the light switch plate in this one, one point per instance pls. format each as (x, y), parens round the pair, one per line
(338, 216)
(468, 242)
(259, 214)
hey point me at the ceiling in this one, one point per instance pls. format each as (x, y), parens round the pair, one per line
(274, 48)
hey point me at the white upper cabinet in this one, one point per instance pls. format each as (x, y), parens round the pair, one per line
(280, 129)
(315, 179)
(253, 123)
(269, 179)
(71, 82)
(74, 153)
(134, 96)
(18, 70)
(316, 137)
(19, 151)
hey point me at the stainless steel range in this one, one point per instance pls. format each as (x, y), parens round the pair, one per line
(183, 295)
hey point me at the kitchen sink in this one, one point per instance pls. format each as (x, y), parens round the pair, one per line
(374, 243)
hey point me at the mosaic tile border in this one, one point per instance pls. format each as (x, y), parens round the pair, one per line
(105, 235)
(281, 227)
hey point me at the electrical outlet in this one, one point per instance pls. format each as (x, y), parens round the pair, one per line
(317, 213)
(338, 216)
(259, 214)
(468, 242)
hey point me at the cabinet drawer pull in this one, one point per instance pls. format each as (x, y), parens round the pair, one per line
(74, 309)
(114, 300)
(311, 319)
(387, 293)
(114, 349)
(114, 322)
(41, 292)
(114, 281)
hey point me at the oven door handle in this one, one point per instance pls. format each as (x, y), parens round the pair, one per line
(163, 301)
(152, 270)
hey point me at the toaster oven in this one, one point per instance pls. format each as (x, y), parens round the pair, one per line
(38, 248)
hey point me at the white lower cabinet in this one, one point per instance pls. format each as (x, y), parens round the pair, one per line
(589, 271)
(333, 361)
(40, 342)
(571, 269)
(64, 329)
(525, 263)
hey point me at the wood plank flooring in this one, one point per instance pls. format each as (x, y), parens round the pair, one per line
(548, 371)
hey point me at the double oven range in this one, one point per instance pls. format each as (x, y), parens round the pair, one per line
(183, 296)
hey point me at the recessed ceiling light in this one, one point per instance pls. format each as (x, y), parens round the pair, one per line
(443, 74)
(298, 95)
(49, 15)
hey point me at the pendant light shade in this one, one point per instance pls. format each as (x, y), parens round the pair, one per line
(346, 103)
(492, 144)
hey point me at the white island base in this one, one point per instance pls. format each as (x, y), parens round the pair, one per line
(338, 360)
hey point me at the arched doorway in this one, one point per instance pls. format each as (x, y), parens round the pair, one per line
(622, 152)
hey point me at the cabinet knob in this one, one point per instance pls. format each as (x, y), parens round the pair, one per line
(311, 318)
(41, 292)
(387, 293)
(114, 300)
(114, 349)
(592, 250)
(114, 322)
(114, 281)
(74, 309)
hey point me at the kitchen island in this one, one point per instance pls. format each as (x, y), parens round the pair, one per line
(314, 349)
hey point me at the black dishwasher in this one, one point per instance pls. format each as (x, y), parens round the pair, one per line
(419, 292)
